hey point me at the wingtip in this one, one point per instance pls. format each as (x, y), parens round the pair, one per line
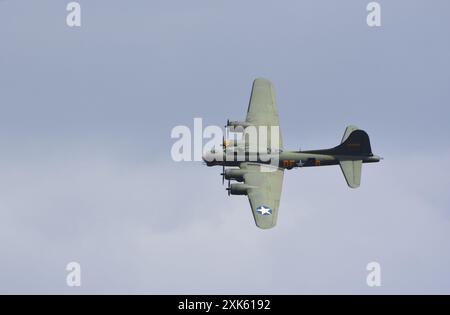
(266, 227)
(261, 80)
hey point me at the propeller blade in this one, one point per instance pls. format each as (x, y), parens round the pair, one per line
(223, 174)
(225, 143)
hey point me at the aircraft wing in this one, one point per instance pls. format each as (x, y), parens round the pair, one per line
(262, 109)
(265, 192)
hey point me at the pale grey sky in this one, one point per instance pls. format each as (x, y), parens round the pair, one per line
(85, 168)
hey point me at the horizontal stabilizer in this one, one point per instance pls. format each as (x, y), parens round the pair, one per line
(352, 172)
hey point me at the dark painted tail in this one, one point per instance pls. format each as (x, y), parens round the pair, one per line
(355, 142)
(354, 148)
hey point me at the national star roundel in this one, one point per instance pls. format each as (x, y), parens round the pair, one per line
(264, 210)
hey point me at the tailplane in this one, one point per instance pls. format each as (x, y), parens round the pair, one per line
(352, 172)
(355, 142)
(353, 150)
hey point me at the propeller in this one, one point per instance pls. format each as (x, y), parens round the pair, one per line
(229, 188)
(225, 143)
(225, 135)
(223, 174)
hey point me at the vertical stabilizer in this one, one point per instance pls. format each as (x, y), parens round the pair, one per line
(348, 131)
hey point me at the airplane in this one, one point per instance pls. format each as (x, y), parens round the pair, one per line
(263, 187)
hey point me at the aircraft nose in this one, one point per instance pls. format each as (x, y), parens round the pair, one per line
(209, 158)
(206, 157)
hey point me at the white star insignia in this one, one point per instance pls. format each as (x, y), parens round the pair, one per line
(264, 210)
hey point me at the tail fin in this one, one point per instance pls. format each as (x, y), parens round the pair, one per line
(354, 148)
(348, 131)
(354, 142)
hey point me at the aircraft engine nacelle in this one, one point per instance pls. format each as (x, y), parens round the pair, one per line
(235, 174)
(238, 189)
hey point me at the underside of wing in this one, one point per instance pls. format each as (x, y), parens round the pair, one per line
(262, 108)
(265, 192)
